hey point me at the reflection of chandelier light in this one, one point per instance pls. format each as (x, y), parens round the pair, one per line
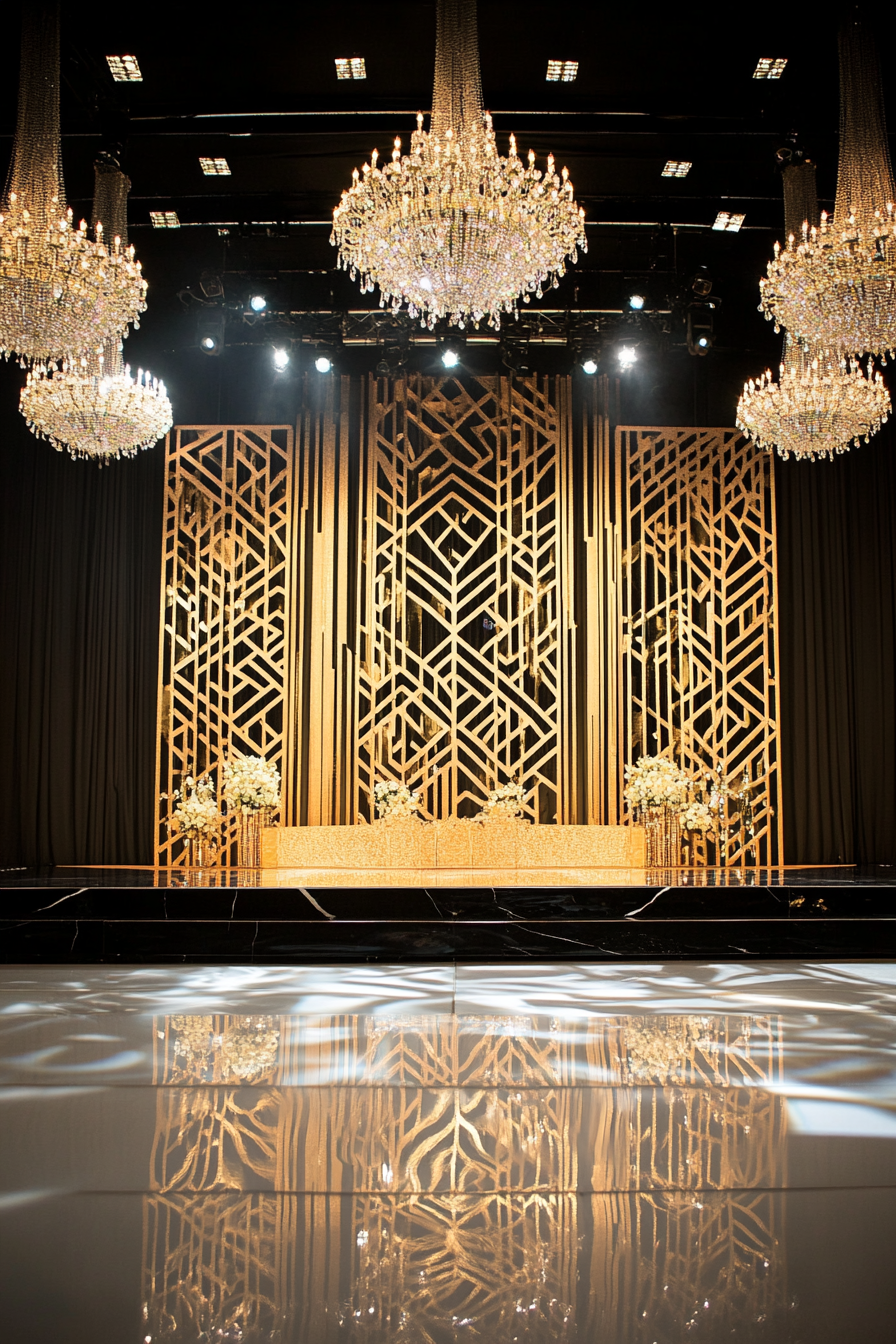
(58, 289)
(835, 286)
(453, 229)
(92, 406)
(818, 407)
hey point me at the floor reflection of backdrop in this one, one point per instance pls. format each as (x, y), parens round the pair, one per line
(498, 1178)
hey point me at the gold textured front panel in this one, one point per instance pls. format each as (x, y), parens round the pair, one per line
(226, 605)
(698, 611)
(465, 630)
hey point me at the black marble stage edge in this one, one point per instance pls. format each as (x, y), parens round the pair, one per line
(48, 917)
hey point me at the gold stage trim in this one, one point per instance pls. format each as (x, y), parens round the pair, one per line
(497, 845)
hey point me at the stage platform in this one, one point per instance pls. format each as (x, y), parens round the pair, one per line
(135, 915)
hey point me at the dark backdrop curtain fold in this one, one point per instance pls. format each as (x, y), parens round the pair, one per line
(79, 611)
(79, 605)
(837, 621)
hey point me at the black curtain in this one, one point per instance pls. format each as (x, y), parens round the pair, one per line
(79, 609)
(837, 633)
(80, 552)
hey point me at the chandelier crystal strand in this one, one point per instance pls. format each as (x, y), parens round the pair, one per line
(91, 405)
(58, 288)
(454, 230)
(821, 404)
(834, 286)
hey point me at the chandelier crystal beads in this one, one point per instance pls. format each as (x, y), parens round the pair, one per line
(834, 286)
(454, 230)
(59, 289)
(91, 404)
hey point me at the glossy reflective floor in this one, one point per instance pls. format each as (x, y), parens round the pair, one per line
(579, 1152)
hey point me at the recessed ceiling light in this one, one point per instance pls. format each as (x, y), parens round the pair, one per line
(214, 167)
(350, 67)
(562, 72)
(125, 69)
(770, 67)
(164, 219)
(728, 223)
(676, 168)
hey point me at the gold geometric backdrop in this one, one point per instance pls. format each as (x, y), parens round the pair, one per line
(458, 582)
(226, 604)
(465, 621)
(698, 610)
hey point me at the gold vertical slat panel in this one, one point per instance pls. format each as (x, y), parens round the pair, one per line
(465, 630)
(698, 618)
(226, 606)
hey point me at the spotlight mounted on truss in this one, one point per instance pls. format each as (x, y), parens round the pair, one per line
(210, 332)
(450, 346)
(394, 348)
(515, 352)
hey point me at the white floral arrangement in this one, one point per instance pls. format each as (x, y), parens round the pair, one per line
(395, 800)
(656, 782)
(196, 812)
(505, 803)
(697, 816)
(250, 784)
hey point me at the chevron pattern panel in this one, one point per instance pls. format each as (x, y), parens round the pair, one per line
(697, 610)
(465, 633)
(226, 606)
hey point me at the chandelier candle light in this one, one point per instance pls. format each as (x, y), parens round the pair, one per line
(834, 287)
(821, 403)
(454, 230)
(92, 405)
(60, 291)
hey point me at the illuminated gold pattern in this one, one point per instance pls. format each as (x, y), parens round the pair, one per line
(697, 603)
(466, 634)
(452, 1159)
(226, 604)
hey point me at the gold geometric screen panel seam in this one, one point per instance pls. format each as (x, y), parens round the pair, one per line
(698, 596)
(224, 676)
(465, 638)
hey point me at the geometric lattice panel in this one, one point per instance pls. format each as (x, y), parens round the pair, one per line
(698, 609)
(226, 600)
(465, 635)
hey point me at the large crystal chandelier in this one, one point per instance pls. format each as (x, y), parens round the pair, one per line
(91, 404)
(834, 286)
(821, 403)
(59, 289)
(455, 230)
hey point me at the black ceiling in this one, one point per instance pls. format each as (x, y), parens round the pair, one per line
(258, 86)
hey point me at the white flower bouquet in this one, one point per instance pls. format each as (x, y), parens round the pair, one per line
(250, 784)
(395, 800)
(696, 816)
(505, 803)
(196, 812)
(656, 782)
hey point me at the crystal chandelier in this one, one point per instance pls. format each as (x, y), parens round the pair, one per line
(455, 230)
(58, 288)
(834, 287)
(821, 403)
(91, 404)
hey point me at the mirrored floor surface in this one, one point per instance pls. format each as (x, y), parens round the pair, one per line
(574, 1152)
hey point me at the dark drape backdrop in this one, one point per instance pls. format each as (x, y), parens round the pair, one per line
(79, 613)
(837, 631)
(79, 575)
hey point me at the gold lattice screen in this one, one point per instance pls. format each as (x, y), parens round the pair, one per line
(226, 604)
(459, 582)
(697, 606)
(465, 621)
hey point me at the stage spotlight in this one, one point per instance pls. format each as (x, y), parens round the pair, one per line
(211, 285)
(700, 328)
(281, 358)
(627, 356)
(450, 345)
(210, 333)
(450, 357)
(589, 365)
(515, 353)
(636, 302)
(258, 303)
(323, 364)
(701, 283)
